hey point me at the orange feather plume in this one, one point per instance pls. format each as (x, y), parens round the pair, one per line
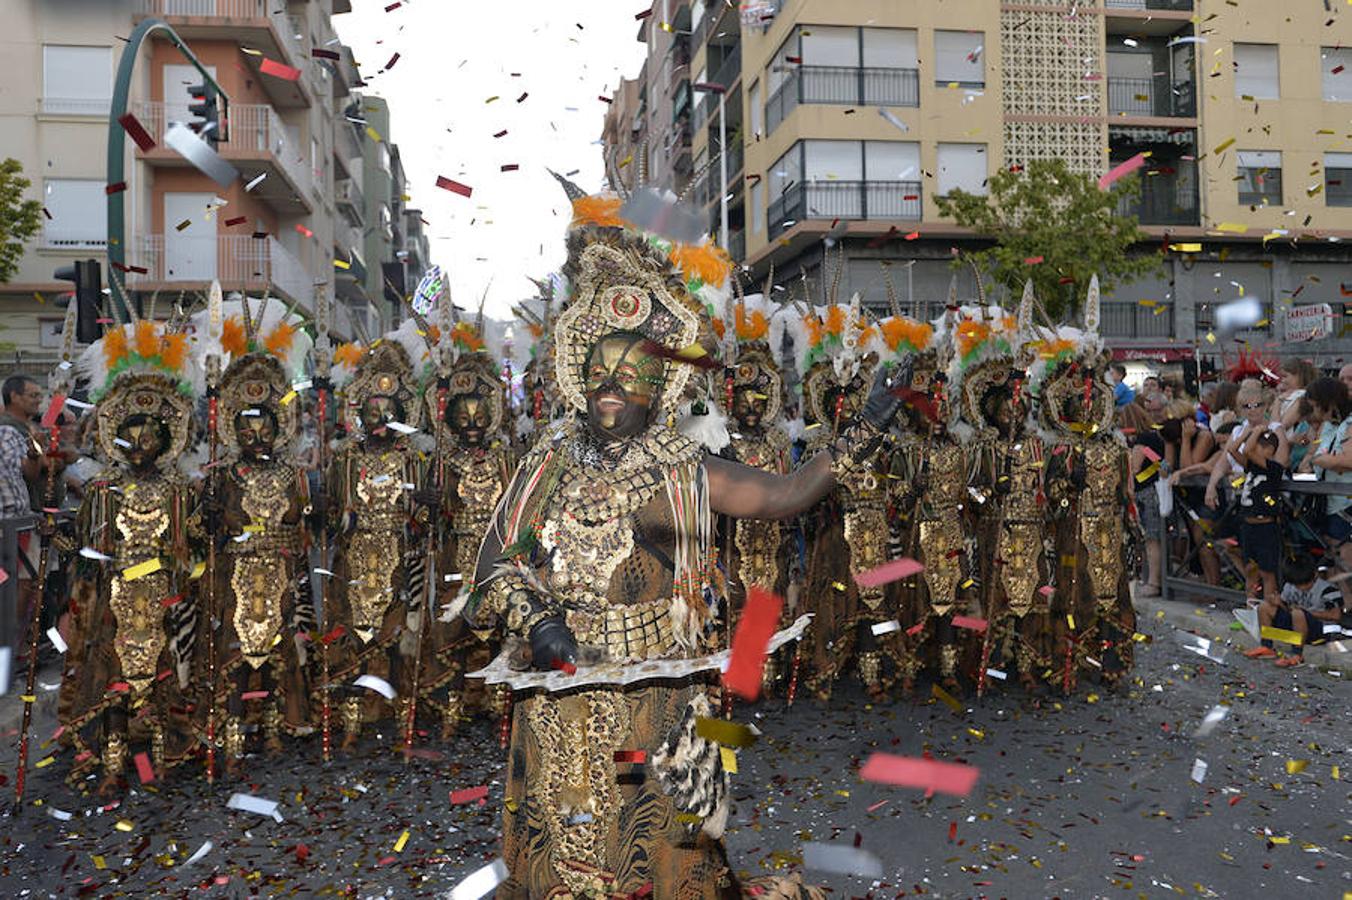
(115, 346)
(233, 340)
(465, 335)
(146, 340)
(348, 354)
(835, 320)
(816, 329)
(707, 262)
(174, 351)
(753, 327)
(278, 341)
(898, 331)
(720, 329)
(603, 211)
(971, 333)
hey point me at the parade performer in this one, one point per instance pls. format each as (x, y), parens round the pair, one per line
(264, 609)
(987, 380)
(752, 391)
(599, 562)
(373, 488)
(836, 351)
(1089, 501)
(133, 612)
(542, 402)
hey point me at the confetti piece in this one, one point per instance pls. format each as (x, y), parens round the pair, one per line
(631, 756)
(725, 733)
(237, 220)
(1225, 145)
(746, 663)
(124, 825)
(996, 673)
(842, 859)
(199, 853)
(469, 795)
(928, 774)
(1281, 634)
(187, 144)
(970, 623)
(253, 695)
(399, 844)
(379, 685)
(454, 187)
(256, 182)
(142, 569)
(729, 759)
(1032, 261)
(480, 882)
(1296, 766)
(888, 572)
(144, 770)
(1233, 227)
(1213, 717)
(281, 70)
(55, 637)
(891, 118)
(252, 804)
(185, 224)
(881, 628)
(99, 862)
(1121, 170)
(115, 188)
(1198, 770)
(949, 700)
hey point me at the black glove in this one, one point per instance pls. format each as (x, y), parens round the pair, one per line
(1078, 475)
(884, 400)
(552, 643)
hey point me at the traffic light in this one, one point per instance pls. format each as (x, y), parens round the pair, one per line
(88, 278)
(205, 107)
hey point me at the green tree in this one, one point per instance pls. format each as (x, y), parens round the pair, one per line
(19, 218)
(1046, 210)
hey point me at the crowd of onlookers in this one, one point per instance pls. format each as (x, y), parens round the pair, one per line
(1221, 490)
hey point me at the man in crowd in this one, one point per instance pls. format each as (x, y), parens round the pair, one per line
(1345, 375)
(19, 467)
(1122, 392)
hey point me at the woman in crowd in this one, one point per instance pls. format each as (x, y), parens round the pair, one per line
(1331, 460)
(1296, 377)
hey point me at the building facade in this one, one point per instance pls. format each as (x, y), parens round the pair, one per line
(294, 224)
(845, 122)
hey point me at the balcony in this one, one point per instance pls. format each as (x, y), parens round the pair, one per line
(1168, 195)
(842, 85)
(729, 71)
(350, 201)
(1151, 96)
(251, 23)
(737, 245)
(76, 106)
(1133, 320)
(259, 143)
(1144, 5)
(863, 200)
(241, 263)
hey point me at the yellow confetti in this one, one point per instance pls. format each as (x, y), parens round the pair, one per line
(340, 264)
(399, 844)
(1186, 248)
(1234, 227)
(29, 698)
(1092, 698)
(140, 570)
(1224, 145)
(729, 757)
(721, 731)
(1070, 620)
(1281, 634)
(38, 297)
(290, 395)
(1296, 766)
(373, 134)
(124, 825)
(977, 733)
(99, 863)
(1280, 840)
(43, 763)
(197, 571)
(1336, 776)
(949, 700)
(686, 818)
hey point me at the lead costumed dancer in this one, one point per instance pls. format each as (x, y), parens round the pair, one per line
(599, 564)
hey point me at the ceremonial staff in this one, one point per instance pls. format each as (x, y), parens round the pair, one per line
(442, 356)
(60, 380)
(215, 328)
(322, 361)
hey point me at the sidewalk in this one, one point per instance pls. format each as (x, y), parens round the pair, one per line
(1214, 623)
(44, 710)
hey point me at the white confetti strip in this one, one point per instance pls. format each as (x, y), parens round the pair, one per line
(57, 641)
(841, 858)
(258, 805)
(882, 628)
(200, 852)
(479, 882)
(379, 685)
(1213, 717)
(1198, 770)
(91, 553)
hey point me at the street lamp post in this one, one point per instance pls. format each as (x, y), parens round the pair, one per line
(722, 91)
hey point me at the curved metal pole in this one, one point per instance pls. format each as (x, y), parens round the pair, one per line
(117, 145)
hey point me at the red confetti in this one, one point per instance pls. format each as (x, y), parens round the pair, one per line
(888, 572)
(393, 59)
(115, 188)
(237, 220)
(337, 632)
(502, 133)
(639, 17)
(171, 601)
(915, 629)
(137, 132)
(604, 99)
(279, 70)
(253, 695)
(393, 6)
(302, 853)
(952, 831)
(969, 622)
(904, 771)
(1336, 70)
(565, 667)
(144, 770)
(53, 410)
(1032, 260)
(913, 235)
(523, 96)
(631, 756)
(510, 167)
(454, 187)
(139, 270)
(303, 230)
(469, 795)
(321, 53)
(760, 618)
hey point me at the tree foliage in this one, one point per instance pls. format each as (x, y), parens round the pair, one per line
(19, 218)
(1046, 210)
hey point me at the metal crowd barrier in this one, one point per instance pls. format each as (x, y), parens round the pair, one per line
(13, 633)
(1178, 577)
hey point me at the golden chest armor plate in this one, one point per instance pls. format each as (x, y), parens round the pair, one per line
(259, 580)
(142, 521)
(373, 550)
(478, 487)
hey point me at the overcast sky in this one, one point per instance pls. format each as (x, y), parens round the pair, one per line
(453, 57)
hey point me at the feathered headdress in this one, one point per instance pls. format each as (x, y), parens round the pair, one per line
(265, 326)
(1068, 364)
(141, 347)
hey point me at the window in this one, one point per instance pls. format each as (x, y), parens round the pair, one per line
(962, 166)
(1336, 61)
(757, 111)
(1256, 72)
(1260, 177)
(1338, 179)
(958, 58)
(786, 172)
(832, 161)
(758, 207)
(830, 46)
(891, 161)
(79, 213)
(890, 48)
(76, 80)
(696, 15)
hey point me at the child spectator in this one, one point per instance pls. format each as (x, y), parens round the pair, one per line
(1306, 603)
(1264, 453)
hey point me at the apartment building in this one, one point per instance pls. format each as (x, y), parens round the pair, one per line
(279, 228)
(845, 121)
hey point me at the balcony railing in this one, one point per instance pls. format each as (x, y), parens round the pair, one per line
(1133, 320)
(75, 106)
(730, 69)
(843, 85)
(253, 128)
(1169, 198)
(1180, 5)
(737, 245)
(845, 200)
(239, 262)
(1138, 97)
(233, 9)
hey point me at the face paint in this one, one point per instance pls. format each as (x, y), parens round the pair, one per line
(748, 407)
(467, 415)
(622, 381)
(377, 412)
(256, 430)
(144, 440)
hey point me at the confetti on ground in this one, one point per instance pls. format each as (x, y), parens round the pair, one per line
(838, 858)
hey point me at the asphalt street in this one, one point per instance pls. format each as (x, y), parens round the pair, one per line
(1099, 795)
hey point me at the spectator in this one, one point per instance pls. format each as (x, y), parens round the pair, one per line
(1122, 392)
(1345, 375)
(1224, 405)
(1150, 384)
(1196, 454)
(1296, 376)
(1148, 461)
(19, 454)
(1172, 389)
(1264, 453)
(1306, 603)
(1251, 401)
(1331, 460)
